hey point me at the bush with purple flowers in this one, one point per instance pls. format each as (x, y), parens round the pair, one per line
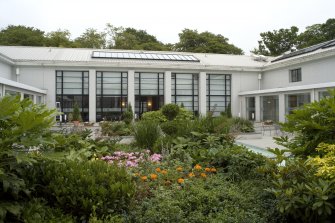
(131, 159)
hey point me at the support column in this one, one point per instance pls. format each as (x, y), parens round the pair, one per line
(282, 106)
(92, 95)
(167, 87)
(257, 108)
(313, 95)
(131, 88)
(202, 94)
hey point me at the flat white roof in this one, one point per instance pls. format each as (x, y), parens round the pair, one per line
(288, 89)
(21, 86)
(54, 54)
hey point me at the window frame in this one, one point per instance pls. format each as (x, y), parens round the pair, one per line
(295, 75)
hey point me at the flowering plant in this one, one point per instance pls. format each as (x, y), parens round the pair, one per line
(131, 159)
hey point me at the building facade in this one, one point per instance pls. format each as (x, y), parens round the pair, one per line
(104, 82)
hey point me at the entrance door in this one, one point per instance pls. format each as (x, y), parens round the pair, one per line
(146, 103)
(251, 111)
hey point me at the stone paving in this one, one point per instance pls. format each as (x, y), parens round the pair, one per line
(260, 140)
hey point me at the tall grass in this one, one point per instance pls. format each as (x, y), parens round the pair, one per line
(146, 134)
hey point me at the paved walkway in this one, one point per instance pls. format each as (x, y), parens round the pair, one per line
(258, 142)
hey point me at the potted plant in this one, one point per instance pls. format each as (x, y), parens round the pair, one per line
(76, 117)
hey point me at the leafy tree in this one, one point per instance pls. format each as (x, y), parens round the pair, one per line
(91, 38)
(328, 29)
(59, 38)
(21, 36)
(205, 42)
(317, 33)
(277, 42)
(130, 38)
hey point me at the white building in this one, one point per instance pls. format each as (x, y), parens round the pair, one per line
(103, 82)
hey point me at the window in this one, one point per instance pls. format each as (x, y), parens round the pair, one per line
(270, 108)
(184, 89)
(39, 99)
(112, 91)
(72, 88)
(324, 94)
(295, 75)
(149, 92)
(294, 101)
(218, 93)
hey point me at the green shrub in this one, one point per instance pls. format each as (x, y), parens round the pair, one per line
(76, 116)
(184, 115)
(81, 188)
(238, 163)
(128, 115)
(170, 111)
(170, 128)
(311, 125)
(241, 125)
(211, 200)
(114, 128)
(146, 134)
(301, 195)
(37, 211)
(155, 116)
(22, 125)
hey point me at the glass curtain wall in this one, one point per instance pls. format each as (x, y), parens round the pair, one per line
(184, 89)
(270, 108)
(218, 93)
(72, 88)
(112, 92)
(294, 101)
(149, 92)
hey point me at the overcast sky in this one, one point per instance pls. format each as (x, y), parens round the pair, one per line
(241, 21)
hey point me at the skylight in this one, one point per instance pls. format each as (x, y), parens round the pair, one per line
(144, 56)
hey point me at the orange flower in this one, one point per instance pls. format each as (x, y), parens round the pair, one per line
(197, 167)
(213, 170)
(153, 176)
(207, 169)
(164, 172)
(180, 180)
(191, 175)
(158, 170)
(144, 178)
(179, 169)
(203, 175)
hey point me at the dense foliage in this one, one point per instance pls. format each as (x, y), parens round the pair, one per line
(86, 187)
(199, 174)
(279, 41)
(23, 126)
(205, 42)
(304, 185)
(310, 125)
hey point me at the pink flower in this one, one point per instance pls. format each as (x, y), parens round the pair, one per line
(155, 157)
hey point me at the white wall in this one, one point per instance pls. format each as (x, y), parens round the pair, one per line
(5, 70)
(320, 71)
(43, 78)
(241, 81)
